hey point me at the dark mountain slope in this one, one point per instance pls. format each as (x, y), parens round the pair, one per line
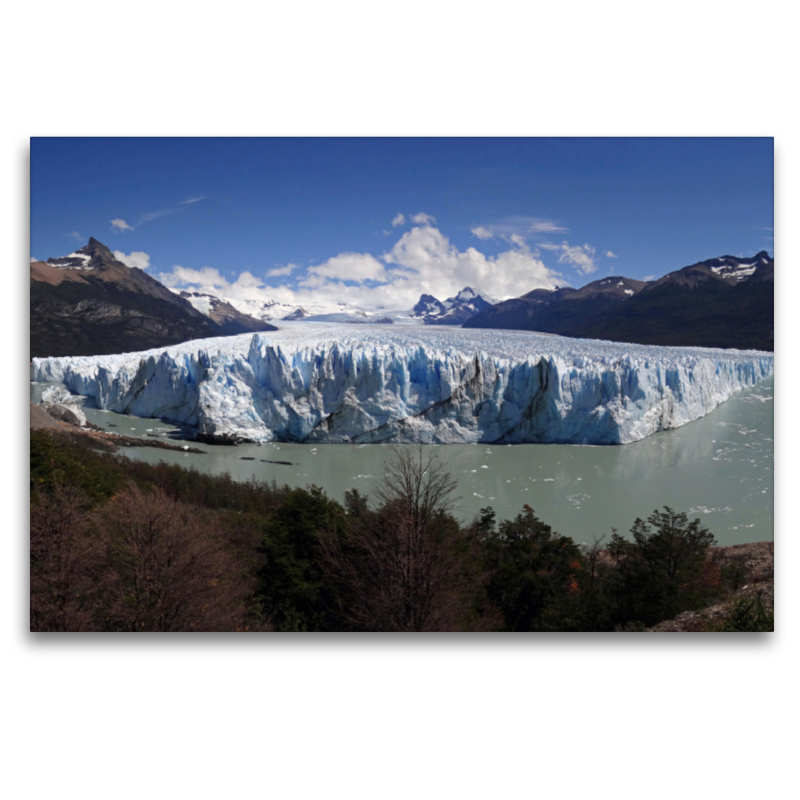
(520, 313)
(723, 302)
(89, 303)
(695, 306)
(558, 311)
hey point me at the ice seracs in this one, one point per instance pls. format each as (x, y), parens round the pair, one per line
(314, 382)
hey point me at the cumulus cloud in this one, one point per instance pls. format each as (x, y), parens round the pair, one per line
(287, 270)
(398, 220)
(423, 260)
(74, 235)
(207, 278)
(431, 264)
(609, 254)
(33, 259)
(482, 233)
(356, 267)
(581, 257)
(134, 259)
(120, 225)
(423, 219)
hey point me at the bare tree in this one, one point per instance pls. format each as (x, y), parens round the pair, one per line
(406, 566)
(171, 569)
(64, 562)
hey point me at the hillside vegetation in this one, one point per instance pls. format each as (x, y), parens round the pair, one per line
(120, 545)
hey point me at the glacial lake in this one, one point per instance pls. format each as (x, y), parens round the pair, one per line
(719, 468)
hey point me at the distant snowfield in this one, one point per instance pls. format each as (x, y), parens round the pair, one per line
(323, 382)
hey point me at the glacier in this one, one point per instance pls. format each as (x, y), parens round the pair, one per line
(328, 383)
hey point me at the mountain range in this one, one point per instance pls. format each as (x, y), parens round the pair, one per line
(453, 311)
(722, 302)
(90, 303)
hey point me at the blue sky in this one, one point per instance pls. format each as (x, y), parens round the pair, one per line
(375, 222)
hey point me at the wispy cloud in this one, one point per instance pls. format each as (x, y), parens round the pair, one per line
(119, 226)
(514, 229)
(581, 257)
(192, 200)
(75, 235)
(538, 225)
(609, 254)
(423, 219)
(163, 212)
(649, 278)
(287, 270)
(135, 259)
(398, 220)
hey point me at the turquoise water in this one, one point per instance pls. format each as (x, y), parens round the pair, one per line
(719, 468)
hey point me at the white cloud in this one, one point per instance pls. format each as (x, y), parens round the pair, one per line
(516, 239)
(398, 220)
(609, 254)
(287, 270)
(33, 259)
(423, 260)
(539, 225)
(206, 278)
(423, 219)
(192, 200)
(356, 267)
(431, 264)
(581, 257)
(134, 259)
(75, 235)
(120, 225)
(164, 212)
(482, 233)
(519, 227)
(649, 278)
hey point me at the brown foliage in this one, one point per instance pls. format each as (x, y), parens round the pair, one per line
(64, 562)
(142, 562)
(171, 570)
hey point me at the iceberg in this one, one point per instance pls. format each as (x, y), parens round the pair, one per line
(328, 383)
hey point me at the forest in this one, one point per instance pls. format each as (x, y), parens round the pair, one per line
(121, 545)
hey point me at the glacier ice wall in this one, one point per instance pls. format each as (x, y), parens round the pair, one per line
(328, 383)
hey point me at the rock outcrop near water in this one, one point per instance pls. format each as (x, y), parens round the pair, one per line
(322, 383)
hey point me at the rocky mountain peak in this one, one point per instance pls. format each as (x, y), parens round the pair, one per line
(94, 254)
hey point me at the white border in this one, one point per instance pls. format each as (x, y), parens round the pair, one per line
(433, 717)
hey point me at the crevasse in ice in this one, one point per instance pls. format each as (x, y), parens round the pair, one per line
(334, 383)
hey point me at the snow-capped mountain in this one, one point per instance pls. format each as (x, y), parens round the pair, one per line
(454, 310)
(272, 310)
(737, 268)
(229, 319)
(88, 302)
(722, 302)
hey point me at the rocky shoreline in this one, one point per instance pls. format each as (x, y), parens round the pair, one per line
(755, 565)
(92, 436)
